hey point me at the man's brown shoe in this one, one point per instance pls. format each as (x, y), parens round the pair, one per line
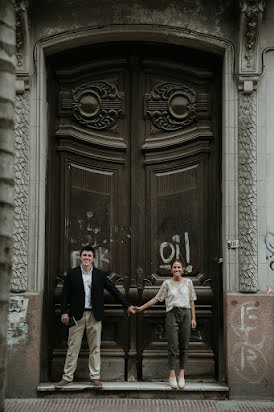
(96, 383)
(62, 383)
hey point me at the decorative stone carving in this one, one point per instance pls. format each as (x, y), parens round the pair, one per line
(21, 172)
(22, 23)
(247, 193)
(97, 105)
(251, 15)
(171, 106)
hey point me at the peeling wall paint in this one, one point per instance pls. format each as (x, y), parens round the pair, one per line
(17, 321)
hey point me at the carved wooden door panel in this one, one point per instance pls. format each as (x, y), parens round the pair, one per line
(180, 172)
(92, 164)
(135, 166)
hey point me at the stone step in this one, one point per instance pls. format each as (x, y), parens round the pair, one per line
(135, 405)
(136, 390)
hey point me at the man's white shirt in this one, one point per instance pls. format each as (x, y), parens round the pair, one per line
(87, 280)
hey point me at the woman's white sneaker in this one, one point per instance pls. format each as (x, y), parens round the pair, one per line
(173, 383)
(181, 382)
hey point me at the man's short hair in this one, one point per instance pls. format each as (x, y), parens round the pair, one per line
(87, 248)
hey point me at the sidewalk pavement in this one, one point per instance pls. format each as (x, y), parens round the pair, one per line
(134, 405)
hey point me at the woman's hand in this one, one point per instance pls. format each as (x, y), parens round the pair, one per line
(193, 324)
(145, 306)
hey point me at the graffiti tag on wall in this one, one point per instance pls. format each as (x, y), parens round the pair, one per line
(247, 355)
(269, 243)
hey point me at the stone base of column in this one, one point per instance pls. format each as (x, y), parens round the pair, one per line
(24, 344)
(249, 345)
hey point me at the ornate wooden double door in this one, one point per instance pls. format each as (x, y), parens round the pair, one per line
(134, 170)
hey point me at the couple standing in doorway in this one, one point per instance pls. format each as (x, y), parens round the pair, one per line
(82, 308)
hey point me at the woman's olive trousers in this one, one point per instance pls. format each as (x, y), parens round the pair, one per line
(178, 330)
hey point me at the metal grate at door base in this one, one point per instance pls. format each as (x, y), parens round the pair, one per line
(134, 405)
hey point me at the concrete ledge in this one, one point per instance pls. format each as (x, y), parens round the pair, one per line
(135, 390)
(133, 386)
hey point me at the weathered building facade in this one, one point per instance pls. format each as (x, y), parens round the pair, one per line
(145, 129)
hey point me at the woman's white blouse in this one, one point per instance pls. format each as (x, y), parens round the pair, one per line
(176, 293)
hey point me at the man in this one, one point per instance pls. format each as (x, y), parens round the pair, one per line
(84, 291)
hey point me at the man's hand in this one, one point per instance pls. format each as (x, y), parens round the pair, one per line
(193, 324)
(65, 319)
(131, 310)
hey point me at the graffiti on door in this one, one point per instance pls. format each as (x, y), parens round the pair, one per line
(172, 249)
(89, 232)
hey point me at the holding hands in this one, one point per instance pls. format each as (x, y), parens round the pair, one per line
(137, 309)
(132, 310)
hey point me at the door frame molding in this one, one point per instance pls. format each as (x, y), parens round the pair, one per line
(39, 130)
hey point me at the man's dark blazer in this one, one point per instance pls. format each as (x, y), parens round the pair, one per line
(73, 293)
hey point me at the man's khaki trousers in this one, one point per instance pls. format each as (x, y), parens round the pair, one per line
(93, 331)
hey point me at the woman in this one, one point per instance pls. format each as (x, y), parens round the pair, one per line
(179, 295)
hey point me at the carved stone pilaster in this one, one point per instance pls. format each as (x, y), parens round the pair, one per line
(248, 191)
(251, 15)
(21, 162)
(21, 174)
